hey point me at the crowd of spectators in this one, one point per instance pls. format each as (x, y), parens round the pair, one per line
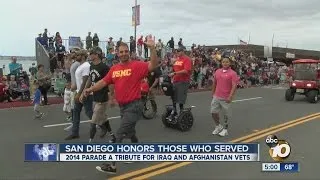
(251, 70)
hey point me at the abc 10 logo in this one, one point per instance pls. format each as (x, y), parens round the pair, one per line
(279, 149)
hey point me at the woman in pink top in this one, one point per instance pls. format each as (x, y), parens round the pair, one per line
(225, 82)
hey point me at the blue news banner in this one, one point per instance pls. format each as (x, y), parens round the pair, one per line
(160, 152)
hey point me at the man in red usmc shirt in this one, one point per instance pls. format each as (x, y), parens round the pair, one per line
(181, 78)
(126, 77)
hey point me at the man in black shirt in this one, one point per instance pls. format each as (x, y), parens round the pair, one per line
(171, 44)
(98, 70)
(132, 45)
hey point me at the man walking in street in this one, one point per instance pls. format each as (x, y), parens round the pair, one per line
(224, 87)
(81, 77)
(98, 70)
(126, 77)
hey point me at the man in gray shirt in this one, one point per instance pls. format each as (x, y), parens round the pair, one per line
(73, 69)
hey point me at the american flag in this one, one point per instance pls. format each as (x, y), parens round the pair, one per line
(243, 42)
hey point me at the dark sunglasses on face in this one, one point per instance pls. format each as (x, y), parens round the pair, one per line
(125, 51)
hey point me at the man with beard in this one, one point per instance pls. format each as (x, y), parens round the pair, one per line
(81, 77)
(181, 79)
(126, 77)
(98, 70)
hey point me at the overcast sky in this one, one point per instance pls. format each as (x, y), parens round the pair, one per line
(209, 22)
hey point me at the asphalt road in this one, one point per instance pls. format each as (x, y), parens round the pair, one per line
(254, 110)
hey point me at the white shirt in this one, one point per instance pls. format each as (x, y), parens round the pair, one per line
(82, 70)
(67, 96)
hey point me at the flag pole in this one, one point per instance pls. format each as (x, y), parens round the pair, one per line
(135, 20)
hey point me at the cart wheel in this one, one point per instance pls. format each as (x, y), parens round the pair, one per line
(289, 94)
(312, 96)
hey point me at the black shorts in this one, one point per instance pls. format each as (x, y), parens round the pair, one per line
(130, 114)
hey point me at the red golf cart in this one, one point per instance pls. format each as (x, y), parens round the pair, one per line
(306, 80)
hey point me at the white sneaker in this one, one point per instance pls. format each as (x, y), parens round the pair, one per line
(68, 128)
(217, 130)
(223, 133)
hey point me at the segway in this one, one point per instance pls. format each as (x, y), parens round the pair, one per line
(182, 122)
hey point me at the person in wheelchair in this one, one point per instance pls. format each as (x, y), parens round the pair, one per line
(181, 79)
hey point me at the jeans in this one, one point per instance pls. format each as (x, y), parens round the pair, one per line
(87, 104)
(130, 114)
(44, 92)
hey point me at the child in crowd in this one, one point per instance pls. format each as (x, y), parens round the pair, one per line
(67, 101)
(36, 101)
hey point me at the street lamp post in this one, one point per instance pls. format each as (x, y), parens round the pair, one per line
(135, 21)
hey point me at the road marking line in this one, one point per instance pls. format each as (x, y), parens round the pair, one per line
(176, 166)
(116, 117)
(246, 139)
(134, 173)
(280, 129)
(275, 127)
(63, 124)
(249, 99)
(161, 171)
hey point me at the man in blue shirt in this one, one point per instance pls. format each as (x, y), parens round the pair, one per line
(110, 57)
(36, 101)
(14, 67)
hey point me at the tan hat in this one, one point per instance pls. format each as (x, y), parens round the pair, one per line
(82, 52)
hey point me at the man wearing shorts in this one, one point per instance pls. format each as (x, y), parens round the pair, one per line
(126, 77)
(225, 82)
(98, 70)
(181, 78)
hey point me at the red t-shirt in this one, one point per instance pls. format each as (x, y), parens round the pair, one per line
(182, 63)
(127, 80)
(140, 42)
(224, 80)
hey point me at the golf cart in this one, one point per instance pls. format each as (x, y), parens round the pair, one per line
(306, 80)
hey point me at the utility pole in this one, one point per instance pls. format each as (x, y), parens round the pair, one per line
(135, 21)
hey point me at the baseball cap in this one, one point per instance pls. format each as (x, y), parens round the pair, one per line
(73, 50)
(82, 52)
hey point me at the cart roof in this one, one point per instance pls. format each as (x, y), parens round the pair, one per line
(305, 61)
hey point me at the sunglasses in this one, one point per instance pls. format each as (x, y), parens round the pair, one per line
(126, 51)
